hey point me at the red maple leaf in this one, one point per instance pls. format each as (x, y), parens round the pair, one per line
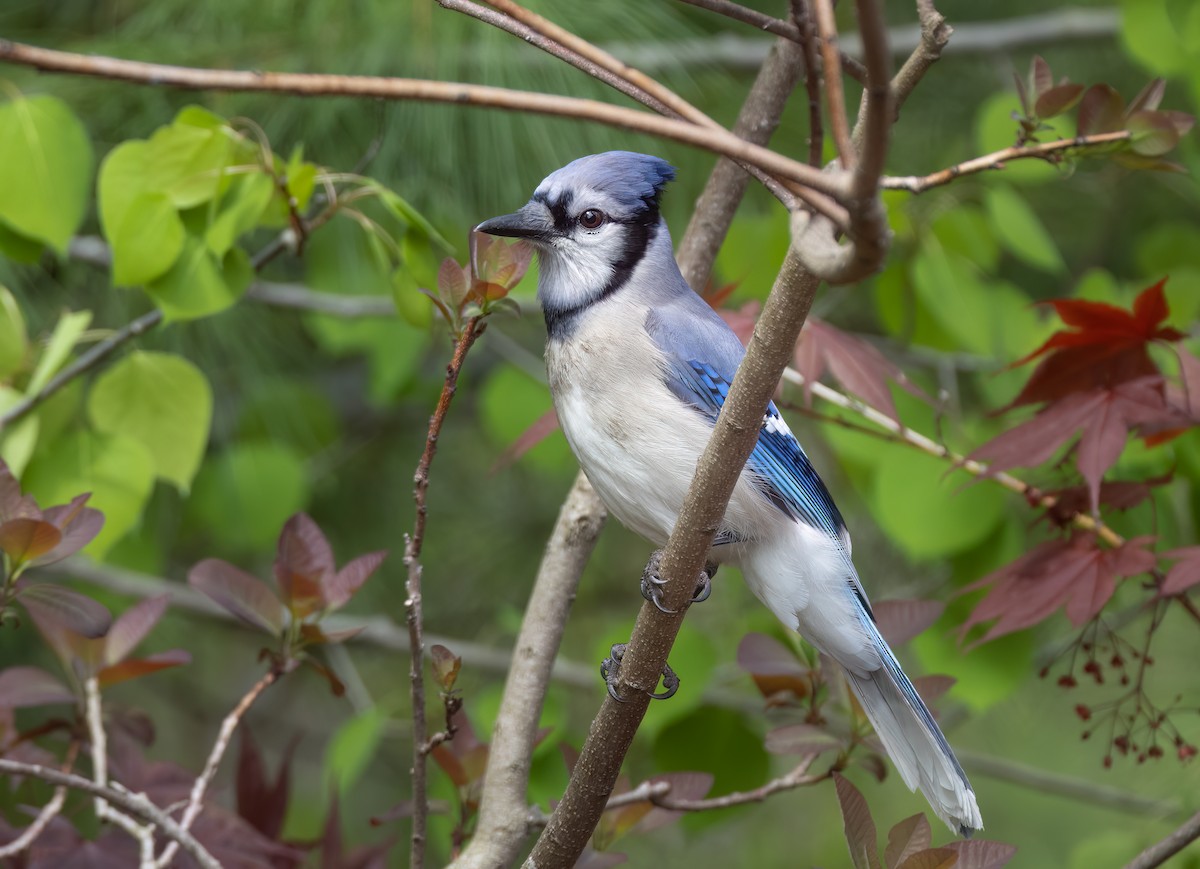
(1107, 346)
(1073, 572)
(1185, 573)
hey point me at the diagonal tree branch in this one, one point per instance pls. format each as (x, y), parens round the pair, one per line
(1161, 852)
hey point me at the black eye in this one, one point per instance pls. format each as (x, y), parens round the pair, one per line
(591, 219)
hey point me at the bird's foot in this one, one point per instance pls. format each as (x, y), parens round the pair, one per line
(652, 583)
(610, 669)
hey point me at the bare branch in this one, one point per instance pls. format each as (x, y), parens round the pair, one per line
(935, 35)
(822, 195)
(757, 121)
(997, 159)
(47, 813)
(298, 297)
(471, 330)
(85, 362)
(683, 558)
(503, 821)
(135, 804)
(812, 81)
(1161, 852)
(200, 786)
(835, 98)
(753, 17)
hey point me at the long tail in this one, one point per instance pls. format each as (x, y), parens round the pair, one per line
(914, 741)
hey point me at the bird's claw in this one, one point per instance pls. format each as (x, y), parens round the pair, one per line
(652, 583)
(610, 669)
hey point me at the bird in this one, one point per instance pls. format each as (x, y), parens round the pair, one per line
(639, 366)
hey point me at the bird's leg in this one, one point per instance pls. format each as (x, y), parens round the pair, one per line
(652, 583)
(610, 669)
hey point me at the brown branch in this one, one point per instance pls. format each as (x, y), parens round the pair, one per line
(135, 804)
(528, 34)
(196, 799)
(471, 330)
(734, 435)
(1161, 852)
(812, 81)
(659, 793)
(820, 191)
(935, 35)
(997, 159)
(503, 822)
(756, 19)
(835, 98)
(718, 203)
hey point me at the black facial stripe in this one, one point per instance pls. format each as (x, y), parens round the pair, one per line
(639, 233)
(558, 210)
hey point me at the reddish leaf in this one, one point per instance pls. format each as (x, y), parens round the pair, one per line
(857, 365)
(1040, 77)
(247, 597)
(859, 826)
(445, 665)
(303, 562)
(774, 668)
(718, 296)
(901, 620)
(137, 667)
(316, 635)
(1149, 97)
(131, 627)
(872, 762)
(931, 688)
(542, 428)
(1154, 134)
(336, 687)
(932, 858)
(570, 756)
(23, 540)
(79, 526)
(14, 505)
(1075, 573)
(982, 854)
(338, 588)
(450, 765)
(803, 739)
(58, 606)
(615, 823)
(905, 839)
(593, 859)
(742, 320)
(684, 786)
(261, 802)
(1184, 574)
(21, 687)
(1057, 100)
(1189, 376)
(1101, 110)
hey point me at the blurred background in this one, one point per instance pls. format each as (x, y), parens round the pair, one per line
(328, 415)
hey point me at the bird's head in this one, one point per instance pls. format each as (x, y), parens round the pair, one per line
(592, 222)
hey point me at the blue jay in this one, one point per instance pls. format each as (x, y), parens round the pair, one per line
(639, 366)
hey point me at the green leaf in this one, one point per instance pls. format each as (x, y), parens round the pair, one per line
(245, 494)
(200, 284)
(1151, 36)
(117, 470)
(406, 214)
(353, 747)
(1021, 231)
(13, 344)
(147, 239)
(45, 169)
(241, 209)
(741, 764)
(68, 329)
(17, 439)
(301, 178)
(929, 514)
(965, 230)
(162, 401)
(414, 306)
(995, 129)
(512, 401)
(19, 248)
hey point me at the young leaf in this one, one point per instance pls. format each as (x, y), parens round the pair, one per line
(982, 854)
(303, 563)
(53, 605)
(859, 826)
(23, 540)
(131, 627)
(1057, 100)
(248, 598)
(804, 739)
(1185, 573)
(1101, 110)
(137, 667)
(905, 839)
(445, 665)
(14, 505)
(21, 687)
(79, 526)
(337, 589)
(774, 667)
(684, 786)
(932, 858)
(262, 802)
(901, 620)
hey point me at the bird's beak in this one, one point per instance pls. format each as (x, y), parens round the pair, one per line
(530, 222)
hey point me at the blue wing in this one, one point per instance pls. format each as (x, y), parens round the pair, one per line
(786, 476)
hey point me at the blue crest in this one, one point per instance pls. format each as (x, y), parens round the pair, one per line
(634, 180)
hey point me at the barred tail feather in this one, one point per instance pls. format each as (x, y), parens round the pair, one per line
(915, 743)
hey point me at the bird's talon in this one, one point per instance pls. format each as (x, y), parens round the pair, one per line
(670, 684)
(610, 669)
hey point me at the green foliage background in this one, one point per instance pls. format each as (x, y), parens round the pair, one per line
(234, 415)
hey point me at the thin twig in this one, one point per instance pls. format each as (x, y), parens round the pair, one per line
(86, 361)
(935, 36)
(997, 159)
(1161, 852)
(502, 825)
(835, 98)
(471, 330)
(200, 786)
(136, 804)
(717, 141)
(756, 19)
(143, 833)
(812, 82)
(47, 813)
